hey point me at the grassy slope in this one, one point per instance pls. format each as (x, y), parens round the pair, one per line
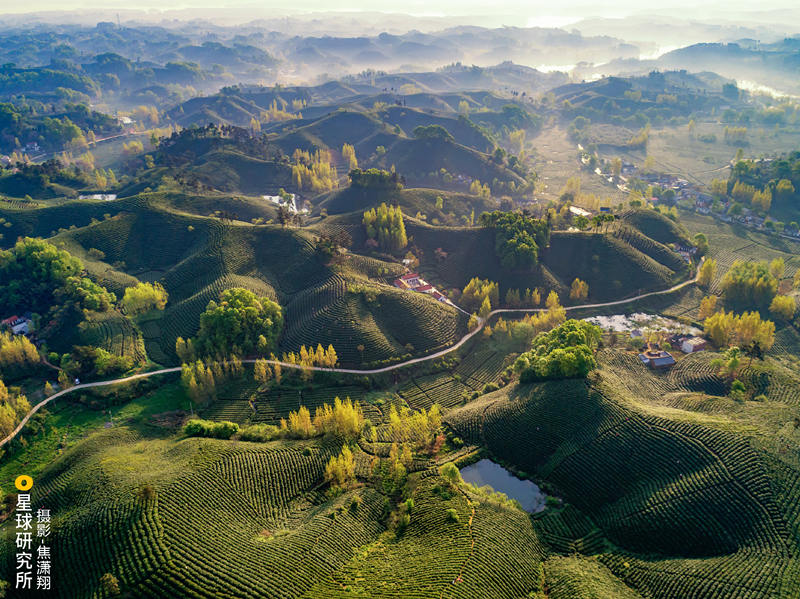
(419, 157)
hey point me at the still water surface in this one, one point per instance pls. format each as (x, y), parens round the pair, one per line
(487, 472)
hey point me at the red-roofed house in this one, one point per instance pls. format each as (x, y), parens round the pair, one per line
(411, 279)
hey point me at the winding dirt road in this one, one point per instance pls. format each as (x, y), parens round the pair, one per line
(433, 356)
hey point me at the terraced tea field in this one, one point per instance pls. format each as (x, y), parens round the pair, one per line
(651, 485)
(242, 402)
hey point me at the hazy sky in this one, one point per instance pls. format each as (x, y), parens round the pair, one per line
(525, 9)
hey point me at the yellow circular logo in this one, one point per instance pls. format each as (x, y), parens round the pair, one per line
(23, 482)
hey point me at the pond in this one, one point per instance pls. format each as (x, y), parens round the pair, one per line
(487, 472)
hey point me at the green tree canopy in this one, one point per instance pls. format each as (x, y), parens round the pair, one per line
(35, 275)
(374, 178)
(143, 297)
(567, 351)
(518, 237)
(432, 132)
(235, 323)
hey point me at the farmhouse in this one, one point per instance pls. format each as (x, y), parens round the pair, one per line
(106, 197)
(693, 344)
(19, 325)
(579, 211)
(413, 282)
(410, 280)
(657, 359)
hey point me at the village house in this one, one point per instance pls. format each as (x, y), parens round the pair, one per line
(693, 344)
(410, 280)
(579, 211)
(18, 325)
(106, 197)
(657, 359)
(413, 282)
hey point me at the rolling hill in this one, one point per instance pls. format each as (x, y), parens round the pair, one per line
(609, 264)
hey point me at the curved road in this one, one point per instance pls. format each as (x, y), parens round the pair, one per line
(389, 368)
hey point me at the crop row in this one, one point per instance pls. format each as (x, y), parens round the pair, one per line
(244, 555)
(742, 575)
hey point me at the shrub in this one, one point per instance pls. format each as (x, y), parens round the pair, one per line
(260, 433)
(489, 387)
(450, 473)
(207, 428)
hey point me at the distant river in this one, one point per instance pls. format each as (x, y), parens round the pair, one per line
(487, 472)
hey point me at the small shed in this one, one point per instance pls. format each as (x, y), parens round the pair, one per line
(693, 344)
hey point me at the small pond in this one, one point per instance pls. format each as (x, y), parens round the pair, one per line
(487, 472)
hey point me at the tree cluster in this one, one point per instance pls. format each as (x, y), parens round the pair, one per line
(85, 360)
(344, 420)
(200, 379)
(391, 475)
(35, 275)
(479, 293)
(433, 132)
(418, 429)
(567, 351)
(349, 154)
(523, 299)
(325, 358)
(525, 329)
(781, 176)
(143, 297)
(341, 469)
(313, 171)
(727, 328)
(750, 284)
(240, 323)
(707, 272)
(518, 237)
(13, 407)
(579, 290)
(374, 178)
(783, 306)
(17, 354)
(385, 225)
